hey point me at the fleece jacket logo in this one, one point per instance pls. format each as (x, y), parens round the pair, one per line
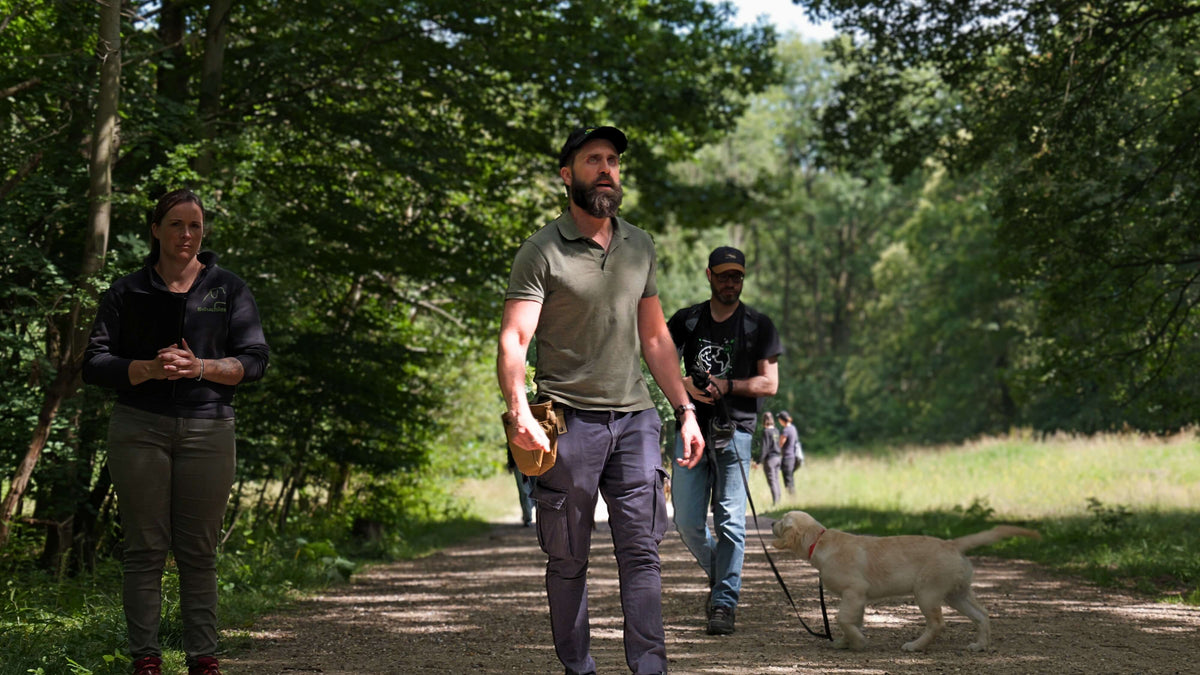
(214, 301)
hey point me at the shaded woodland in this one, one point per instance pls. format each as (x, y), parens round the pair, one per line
(964, 217)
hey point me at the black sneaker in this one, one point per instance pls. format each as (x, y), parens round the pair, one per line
(720, 620)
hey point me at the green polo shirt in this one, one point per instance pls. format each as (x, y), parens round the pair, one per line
(588, 351)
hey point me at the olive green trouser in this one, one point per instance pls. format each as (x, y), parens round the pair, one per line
(172, 476)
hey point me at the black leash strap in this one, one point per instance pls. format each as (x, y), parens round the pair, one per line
(820, 587)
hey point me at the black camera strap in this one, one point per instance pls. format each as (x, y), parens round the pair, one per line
(724, 410)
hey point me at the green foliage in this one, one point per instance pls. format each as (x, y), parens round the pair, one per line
(1107, 519)
(943, 333)
(369, 168)
(1083, 116)
(811, 236)
(976, 513)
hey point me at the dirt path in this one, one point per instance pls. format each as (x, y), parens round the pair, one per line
(480, 608)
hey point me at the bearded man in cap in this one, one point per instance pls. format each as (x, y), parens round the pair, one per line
(585, 287)
(730, 353)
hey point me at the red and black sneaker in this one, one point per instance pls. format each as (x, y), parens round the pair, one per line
(148, 665)
(205, 665)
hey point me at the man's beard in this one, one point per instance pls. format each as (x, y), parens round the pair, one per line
(597, 203)
(727, 298)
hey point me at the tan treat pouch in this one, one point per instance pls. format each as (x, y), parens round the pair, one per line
(536, 462)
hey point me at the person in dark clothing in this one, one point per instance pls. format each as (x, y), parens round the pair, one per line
(524, 487)
(769, 455)
(174, 339)
(730, 352)
(793, 456)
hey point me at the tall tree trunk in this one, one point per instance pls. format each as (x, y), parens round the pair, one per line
(210, 79)
(89, 515)
(173, 81)
(70, 338)
(341, 485)
(842, 289)
(56, 499)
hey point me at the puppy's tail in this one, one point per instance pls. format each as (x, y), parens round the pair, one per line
(992, 536)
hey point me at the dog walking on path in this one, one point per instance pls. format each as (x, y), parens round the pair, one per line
(859, 569)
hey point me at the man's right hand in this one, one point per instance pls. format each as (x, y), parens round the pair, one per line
(529, 434)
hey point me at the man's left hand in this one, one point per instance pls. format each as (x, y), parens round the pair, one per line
(719, 388)
(693, 442)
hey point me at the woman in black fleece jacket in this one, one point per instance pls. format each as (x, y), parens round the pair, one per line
(174, 339)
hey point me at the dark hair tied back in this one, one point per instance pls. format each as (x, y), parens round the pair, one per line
(171, 200)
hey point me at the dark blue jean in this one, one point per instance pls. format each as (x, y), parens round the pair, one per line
(614, 455)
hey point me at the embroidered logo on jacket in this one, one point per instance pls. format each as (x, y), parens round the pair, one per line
(214, 301)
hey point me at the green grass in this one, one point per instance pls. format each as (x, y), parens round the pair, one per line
(1120, 511)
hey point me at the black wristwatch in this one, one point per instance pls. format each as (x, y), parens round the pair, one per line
(679, 410)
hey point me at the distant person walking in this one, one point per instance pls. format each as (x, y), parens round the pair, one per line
(524, 487)
(793, 455)
(769, 455)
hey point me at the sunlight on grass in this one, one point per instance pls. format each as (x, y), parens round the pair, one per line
(493, 499)
(1018, 478)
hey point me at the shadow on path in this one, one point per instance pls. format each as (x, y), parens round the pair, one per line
(480, 608)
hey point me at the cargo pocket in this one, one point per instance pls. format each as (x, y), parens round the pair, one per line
(552, 527)
(660, 504)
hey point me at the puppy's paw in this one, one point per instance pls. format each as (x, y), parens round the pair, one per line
(977, 647)
(914, 646)
(849, 642)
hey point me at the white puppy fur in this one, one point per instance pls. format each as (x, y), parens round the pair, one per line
(859, 569)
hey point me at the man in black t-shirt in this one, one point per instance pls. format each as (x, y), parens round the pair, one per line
(730, 353)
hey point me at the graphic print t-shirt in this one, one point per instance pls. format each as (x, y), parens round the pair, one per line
(720, 350)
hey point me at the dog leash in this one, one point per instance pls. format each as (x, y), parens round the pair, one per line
(778, 577)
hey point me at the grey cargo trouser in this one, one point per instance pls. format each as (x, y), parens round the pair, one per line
(615, 455)
(172, 476)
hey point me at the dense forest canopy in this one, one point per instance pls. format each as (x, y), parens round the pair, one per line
(1084, 120)
(369, 167)
(964, 217)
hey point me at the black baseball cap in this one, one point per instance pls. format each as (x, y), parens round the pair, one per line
(726, 258)
(582, 135)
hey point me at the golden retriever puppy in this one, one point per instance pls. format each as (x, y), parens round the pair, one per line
(859, 569)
